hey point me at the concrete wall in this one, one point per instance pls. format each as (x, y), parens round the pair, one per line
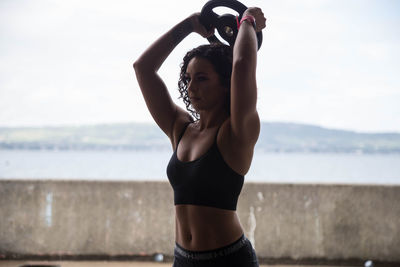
(332, 222)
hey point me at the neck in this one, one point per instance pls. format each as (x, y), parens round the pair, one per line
(210, 119)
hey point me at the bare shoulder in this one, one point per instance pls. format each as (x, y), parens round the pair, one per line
(237, 150)
(181, 120)
(246, 136)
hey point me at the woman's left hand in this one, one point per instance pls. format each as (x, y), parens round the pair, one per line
(257, 13)
(199, 27)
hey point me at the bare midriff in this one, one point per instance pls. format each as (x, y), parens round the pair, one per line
(200, 228)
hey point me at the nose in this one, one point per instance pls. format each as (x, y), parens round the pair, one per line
(191, 87)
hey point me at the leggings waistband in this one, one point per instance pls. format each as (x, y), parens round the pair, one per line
(211, 254)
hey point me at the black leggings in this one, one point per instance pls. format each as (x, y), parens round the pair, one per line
(238, 254)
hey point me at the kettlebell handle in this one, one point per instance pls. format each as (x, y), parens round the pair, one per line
(226, 24)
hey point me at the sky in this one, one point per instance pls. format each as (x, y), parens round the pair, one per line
(332, 63)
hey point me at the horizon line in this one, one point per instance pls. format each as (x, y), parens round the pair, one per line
(153, 123)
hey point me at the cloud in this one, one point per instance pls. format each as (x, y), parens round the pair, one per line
(322, 62)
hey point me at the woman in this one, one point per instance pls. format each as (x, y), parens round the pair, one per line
(213, 152)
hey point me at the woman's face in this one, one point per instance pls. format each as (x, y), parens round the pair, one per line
(205, 90)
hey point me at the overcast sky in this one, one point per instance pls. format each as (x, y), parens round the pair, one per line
(333, 63)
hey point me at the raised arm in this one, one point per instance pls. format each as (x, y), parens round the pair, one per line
(245, 122)
(155, 93)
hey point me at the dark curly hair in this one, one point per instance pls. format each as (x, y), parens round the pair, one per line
(220, 56)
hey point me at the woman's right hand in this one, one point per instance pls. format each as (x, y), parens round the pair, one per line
(198, 27)
(257, 13)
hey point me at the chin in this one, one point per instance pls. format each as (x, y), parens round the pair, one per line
(196, 107)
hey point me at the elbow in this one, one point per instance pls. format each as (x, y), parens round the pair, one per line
(140, 63)
(244, 65)
(244, 60)
(240, 59)
(141, 66)
(136, 64)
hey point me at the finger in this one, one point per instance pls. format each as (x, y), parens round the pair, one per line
(263, 25)
(211, 31)
(207, 33)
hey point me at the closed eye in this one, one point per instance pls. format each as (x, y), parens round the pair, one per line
(201, 78)
(198, 77)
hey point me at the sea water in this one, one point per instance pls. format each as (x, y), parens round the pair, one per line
(151, 166)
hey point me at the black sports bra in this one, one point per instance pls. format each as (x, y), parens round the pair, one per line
(206, 181)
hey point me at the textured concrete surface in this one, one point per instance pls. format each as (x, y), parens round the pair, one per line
(117, 264)
(283, 221)
(323, 221)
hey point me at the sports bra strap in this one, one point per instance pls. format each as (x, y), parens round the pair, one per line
(216, 135)
(182, 133)
(184, 130)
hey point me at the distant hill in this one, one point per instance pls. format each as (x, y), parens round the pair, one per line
(291, 137)
(274, 137)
